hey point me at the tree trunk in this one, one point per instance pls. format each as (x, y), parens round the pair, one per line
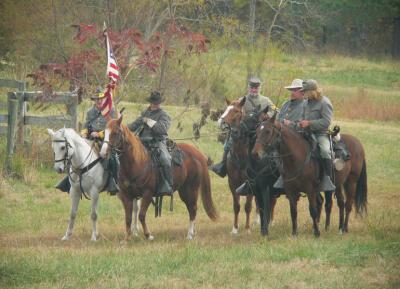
(396, 38)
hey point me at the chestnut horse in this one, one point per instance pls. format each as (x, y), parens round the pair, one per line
(138, 176)
(241, 166)
(301, 172)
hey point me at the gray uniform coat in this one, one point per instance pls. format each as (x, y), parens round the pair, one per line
(96, 120)
(319, 113)
(255, 101)
(292, 110)
(155, 136)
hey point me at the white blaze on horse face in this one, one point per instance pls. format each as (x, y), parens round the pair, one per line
(221, 119)
(104, 147)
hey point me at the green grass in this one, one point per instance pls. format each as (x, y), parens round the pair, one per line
(34, 216)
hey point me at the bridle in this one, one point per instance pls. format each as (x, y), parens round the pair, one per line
(68, 164)
(65, 159)
(275, 139)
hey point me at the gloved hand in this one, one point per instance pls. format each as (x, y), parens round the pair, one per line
(149, 121)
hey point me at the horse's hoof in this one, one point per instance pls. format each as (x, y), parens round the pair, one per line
(235, 231)
(190, 237)
(248, 231)
(340, 232)
(317, 234)
(93, 239)
(150, 238)
(135, 232)
(65, 238)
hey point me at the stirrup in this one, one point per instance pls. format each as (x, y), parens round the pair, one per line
(327, 185)
(219, 169)
(244, 189)
(279, 183)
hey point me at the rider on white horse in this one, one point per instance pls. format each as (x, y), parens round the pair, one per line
(93, 129)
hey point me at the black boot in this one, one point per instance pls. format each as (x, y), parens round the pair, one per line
(220, 168)
(112, 186)
(327, 184)
(64, 185)
(165, 187)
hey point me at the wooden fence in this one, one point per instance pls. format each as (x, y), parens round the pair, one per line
(17, 117)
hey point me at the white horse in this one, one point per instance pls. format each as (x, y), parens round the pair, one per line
(86, 174)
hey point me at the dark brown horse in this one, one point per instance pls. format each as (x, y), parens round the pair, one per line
(301, 172)
(138, 176)
(240, 165)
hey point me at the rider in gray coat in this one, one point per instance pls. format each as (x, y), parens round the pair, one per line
(292, 112)
(254, 101)
(317, 118)
(152, 128)
(93, 129)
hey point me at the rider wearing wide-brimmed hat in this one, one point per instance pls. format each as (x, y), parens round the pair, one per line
(95, 122)
(93, 129)
(318, 114)
(152, 128)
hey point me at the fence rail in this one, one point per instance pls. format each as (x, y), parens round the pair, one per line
(17, 117)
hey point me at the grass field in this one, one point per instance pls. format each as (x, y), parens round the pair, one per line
(34, 217)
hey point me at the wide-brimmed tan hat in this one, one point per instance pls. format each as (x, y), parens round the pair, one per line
(296, 84)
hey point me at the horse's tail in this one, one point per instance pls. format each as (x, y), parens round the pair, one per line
(206, 197)
(361, 191)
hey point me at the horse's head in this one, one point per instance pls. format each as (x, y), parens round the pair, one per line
(113, 137)
(233, 113)
(62, 147)
(268, 137)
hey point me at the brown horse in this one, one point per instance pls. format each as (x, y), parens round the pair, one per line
(301, 173)
(138, 176)
(240, 164)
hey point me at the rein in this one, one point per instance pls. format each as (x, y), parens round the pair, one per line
(275, 145)
(78, 171)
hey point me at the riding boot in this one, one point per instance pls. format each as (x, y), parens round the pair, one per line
(327, 184)
(220, 168)
(165, 187)
(64, 185)
(244, 189)
(112, 186)
(279, 183)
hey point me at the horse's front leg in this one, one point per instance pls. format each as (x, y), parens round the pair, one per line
(144, 205)
(313, 207)
(293, 198)
(247, 208)
(328, 209)
(75, 198)
(236, 210)
(135, 226)
(128, 207)
(95, 200)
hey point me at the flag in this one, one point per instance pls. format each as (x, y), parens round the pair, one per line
(113, 73)
(112, 66)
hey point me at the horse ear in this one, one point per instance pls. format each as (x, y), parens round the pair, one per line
(227, 101)
(50, 131)
(242, 101)
(122, 110)
(119, 121)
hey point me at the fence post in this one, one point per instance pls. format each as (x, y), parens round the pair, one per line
(21, 114)
(11, 128)
(72, 110)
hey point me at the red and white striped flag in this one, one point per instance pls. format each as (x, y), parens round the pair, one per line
(113, 74)
(112, 66)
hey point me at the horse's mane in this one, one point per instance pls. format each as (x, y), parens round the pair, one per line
(139, 152)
